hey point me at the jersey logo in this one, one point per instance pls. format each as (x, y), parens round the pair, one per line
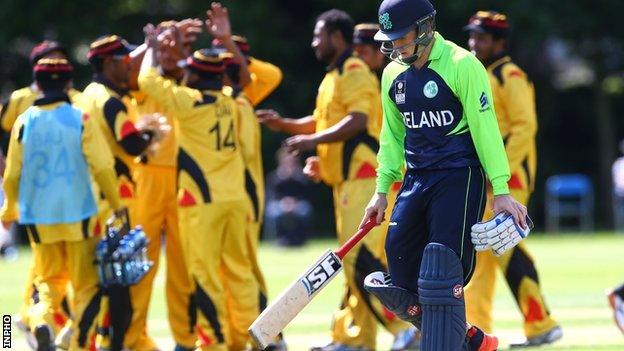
(399, 91)
(485, 104)
(431, 89)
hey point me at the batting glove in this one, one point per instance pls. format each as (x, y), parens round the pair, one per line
(499, 234)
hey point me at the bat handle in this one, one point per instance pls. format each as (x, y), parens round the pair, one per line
(344, 249)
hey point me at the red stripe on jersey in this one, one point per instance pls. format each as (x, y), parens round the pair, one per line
(515, 74)
(534, 312)
(187, 199)
(204, 339)
(366, 171)
(97, 230)
(515, 182)
(127, 128)
(389, 315)
(396, 186)
(125, 192)
(353, 66)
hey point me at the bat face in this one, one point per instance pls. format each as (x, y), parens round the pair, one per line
(294, 298)
(321, 273)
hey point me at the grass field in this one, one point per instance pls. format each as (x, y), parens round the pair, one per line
(574, 270)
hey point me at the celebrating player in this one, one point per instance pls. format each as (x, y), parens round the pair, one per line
(514, 102)
(438, 119)
(211, 191)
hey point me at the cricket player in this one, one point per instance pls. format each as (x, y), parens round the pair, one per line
(108, 102)
(514, 102)
(212, 205)
(343, 130)
(616, 302)
(19, 101)
(367, 48)
(156, 210)
(440, 121)
(54, 151)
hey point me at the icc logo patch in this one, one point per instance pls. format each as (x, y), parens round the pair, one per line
(431, 89)
(399, 91)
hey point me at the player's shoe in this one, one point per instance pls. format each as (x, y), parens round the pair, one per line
(25, 329)
(334, 346)
(407, 340)
(477, 340)
(63, 339)
(43, 335)
(552, 335)
(617, 305)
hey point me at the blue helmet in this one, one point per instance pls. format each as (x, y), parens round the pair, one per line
(397, 18)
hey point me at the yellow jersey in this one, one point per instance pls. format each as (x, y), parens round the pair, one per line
(163, 154)
(265, 77)
(210, 164)
(348, 87)
(514, 103)
(250, 136)
(114, 113)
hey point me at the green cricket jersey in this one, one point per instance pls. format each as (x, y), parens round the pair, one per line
(440, 117)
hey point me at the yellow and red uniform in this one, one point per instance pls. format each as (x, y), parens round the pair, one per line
(64, 251)
(514, 103)
(212, 209)
(349, 168)
(156, 210)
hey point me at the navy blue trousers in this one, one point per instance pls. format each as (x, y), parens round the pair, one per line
(434, 206)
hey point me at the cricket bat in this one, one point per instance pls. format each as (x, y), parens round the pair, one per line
(291, 301)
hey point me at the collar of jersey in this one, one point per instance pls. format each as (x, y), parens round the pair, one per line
(99, 78)
(438, 47)
(498, 59)
(341, 60)
(51, 98)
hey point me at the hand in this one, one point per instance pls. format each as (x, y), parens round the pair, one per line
(171, 41)
(7, 224)
(299, 143)
(189, 29)
(270, 118)
(508, 204)
(156, 123)
(151, 34)
(312, 169)
(218, 22)
(376, 207)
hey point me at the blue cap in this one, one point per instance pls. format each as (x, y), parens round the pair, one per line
(398, 17)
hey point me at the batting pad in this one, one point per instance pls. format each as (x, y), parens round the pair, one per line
(402, 302)
(441, 291)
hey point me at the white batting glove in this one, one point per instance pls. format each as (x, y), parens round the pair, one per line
(499, 234)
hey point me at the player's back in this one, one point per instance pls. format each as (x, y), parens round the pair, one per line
(210, 163)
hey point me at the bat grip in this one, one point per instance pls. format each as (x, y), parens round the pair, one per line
(344, 249)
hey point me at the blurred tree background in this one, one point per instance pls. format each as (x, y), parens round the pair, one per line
(573, 50)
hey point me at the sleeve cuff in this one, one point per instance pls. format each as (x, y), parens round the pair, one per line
(499, 186)
(383, 185)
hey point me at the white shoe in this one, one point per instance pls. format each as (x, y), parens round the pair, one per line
(24, 328)
(63, 340)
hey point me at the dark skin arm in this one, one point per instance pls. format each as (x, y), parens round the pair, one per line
(351, 125)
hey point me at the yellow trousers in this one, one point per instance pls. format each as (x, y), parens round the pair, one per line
(56, 263)
(216, 247)
(521, 275)
(355, 323)
(156, 211)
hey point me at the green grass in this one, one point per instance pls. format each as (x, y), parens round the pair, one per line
(574, 270)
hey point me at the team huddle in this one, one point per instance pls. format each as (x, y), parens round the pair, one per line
(166, 137)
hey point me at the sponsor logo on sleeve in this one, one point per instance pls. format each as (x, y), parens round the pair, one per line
(484, 101)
